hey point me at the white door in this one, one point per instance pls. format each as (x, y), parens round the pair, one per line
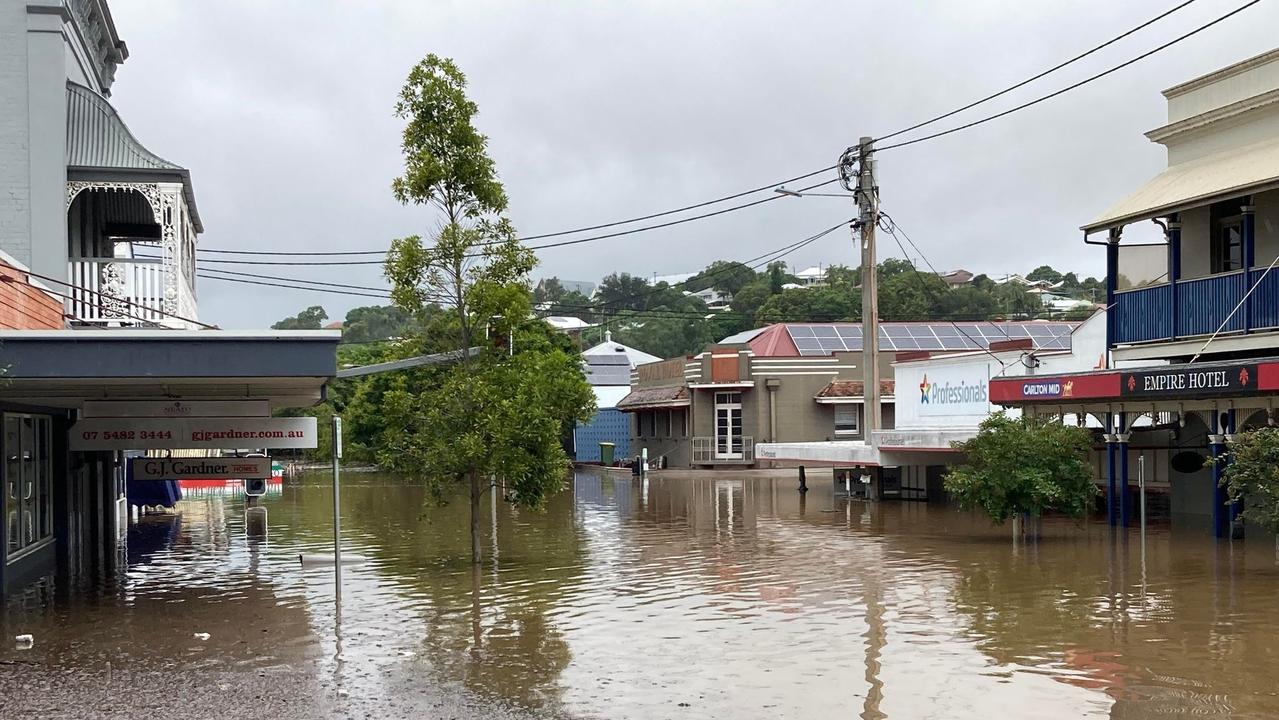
(728, 426)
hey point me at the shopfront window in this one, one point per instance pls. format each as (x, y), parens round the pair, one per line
(28, 495)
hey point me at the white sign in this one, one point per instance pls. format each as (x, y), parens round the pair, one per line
(192, 433)
(942, 393)
(174, 408)
(201, 468)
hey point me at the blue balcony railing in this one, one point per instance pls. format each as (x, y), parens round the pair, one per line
(1149, 314)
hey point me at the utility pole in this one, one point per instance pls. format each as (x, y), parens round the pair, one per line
(868, 218)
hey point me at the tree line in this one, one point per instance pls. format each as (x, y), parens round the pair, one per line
(670, 320)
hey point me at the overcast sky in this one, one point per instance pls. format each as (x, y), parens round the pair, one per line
(602, 111)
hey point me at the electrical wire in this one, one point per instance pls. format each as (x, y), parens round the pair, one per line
(1073, 86)
(1035, 77)
(101, 294)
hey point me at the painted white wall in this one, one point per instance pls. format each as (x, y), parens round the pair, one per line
(1223, 87)
(1267, 226)
(1195, 243)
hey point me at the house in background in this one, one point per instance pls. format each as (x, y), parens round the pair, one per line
(808, 277)
(608, 369)
(956, 278)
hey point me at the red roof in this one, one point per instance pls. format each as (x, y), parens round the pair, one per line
(774, 341)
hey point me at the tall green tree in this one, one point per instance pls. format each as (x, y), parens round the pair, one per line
(309, 319)
(1024, 465)
(1044, 272)
(498, 413)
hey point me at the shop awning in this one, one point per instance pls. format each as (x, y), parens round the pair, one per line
(64, 368)
(1252, 168)
(655, 398)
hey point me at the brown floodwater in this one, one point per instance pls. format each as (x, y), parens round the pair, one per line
(691, 598)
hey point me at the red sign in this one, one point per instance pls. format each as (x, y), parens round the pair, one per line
(1086, 386)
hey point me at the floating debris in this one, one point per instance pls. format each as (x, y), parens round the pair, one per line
(24, 642)
(202, 636)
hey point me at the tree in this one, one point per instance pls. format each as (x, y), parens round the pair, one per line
(1251, 476)
(1044, 272)
(495, 413)
(1024, 466)
(776, 276)
(309, 319)
(622, 292)
(374, 322)
(725, 276)
(843, 275)
(966, 303)
(548, 290)
(811, 304)
(909, 295)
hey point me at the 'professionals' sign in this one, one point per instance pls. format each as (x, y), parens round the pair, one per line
(202, 468)
(1189, 381)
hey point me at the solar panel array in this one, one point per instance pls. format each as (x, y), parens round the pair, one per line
(911, 337)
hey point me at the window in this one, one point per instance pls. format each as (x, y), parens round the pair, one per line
(847, 420)
(1227, 237)
(28, 492)
(669, 414)
(728, 398)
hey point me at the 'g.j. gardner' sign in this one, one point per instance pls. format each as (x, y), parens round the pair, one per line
(1190, 381)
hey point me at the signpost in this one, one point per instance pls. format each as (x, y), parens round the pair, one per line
(337, 510)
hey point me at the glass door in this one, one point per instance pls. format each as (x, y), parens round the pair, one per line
(728, 426)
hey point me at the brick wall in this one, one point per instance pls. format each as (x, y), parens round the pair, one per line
(25, 307)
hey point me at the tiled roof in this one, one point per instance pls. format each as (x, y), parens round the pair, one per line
(852, 388)
(642, 398)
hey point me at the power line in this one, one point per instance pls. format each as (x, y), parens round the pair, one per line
(1068, 88)
(1033, 78)
(578, 241)
(574, 231)
(101, 294)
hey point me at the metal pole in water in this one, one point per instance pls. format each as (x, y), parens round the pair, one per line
(1141, 486)
(337, 509)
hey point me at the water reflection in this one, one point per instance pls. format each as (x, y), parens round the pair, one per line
(733, 596)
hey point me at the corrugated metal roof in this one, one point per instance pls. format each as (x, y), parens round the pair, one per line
(98, 138)
(1196, 182)
(606, 370)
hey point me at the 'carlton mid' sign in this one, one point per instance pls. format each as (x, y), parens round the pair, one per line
(1189, 381)
(203, 468)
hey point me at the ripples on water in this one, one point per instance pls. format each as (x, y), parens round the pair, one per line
(740, 598)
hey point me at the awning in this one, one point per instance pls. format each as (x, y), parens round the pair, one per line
(1252, 168)
(655, 398)
(839, 452)
(64, 368)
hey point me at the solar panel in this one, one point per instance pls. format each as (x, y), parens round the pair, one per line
(817, 340)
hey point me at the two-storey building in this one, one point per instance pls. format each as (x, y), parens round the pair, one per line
(99, 348)
(1205, 299)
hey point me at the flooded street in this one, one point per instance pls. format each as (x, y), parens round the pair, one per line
(672, 598)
